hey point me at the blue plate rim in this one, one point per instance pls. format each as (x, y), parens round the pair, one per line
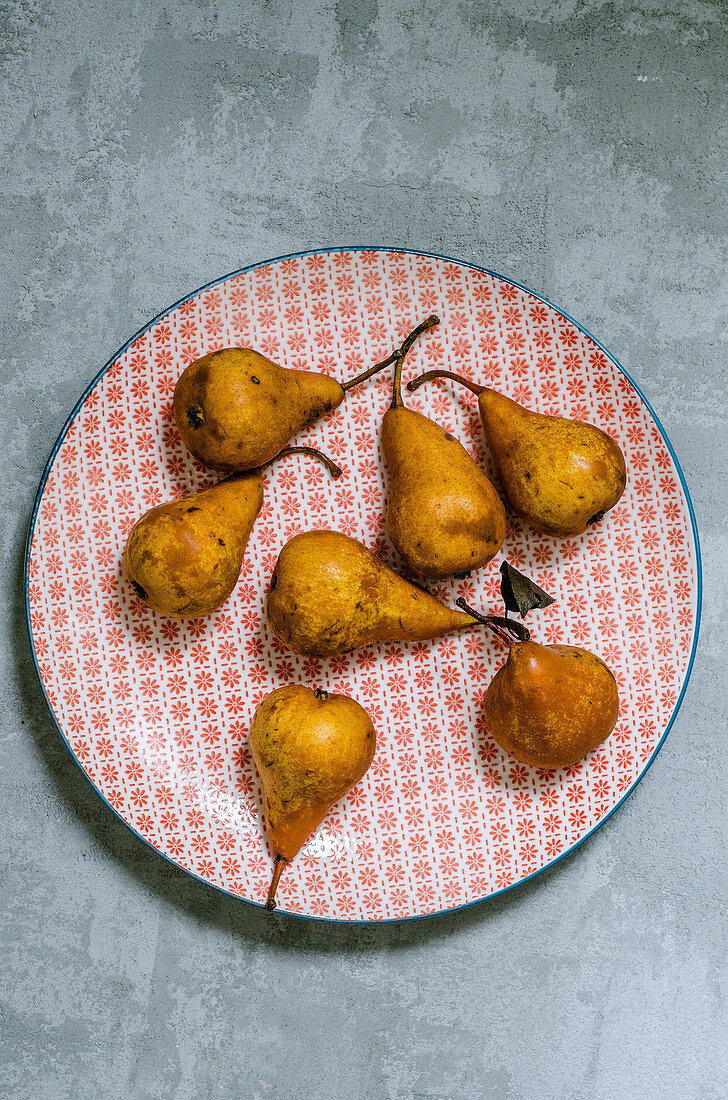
(297, 256)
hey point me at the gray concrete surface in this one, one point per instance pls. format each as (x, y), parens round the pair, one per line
(578, 146)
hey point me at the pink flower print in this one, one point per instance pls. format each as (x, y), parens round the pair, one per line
(542, 338)
(528, 854)
(580, 632)
(488, 343)
(515, 340)
(214, 760)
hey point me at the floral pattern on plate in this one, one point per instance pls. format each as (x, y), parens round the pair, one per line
(157, 711)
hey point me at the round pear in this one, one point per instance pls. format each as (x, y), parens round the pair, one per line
(551, 705)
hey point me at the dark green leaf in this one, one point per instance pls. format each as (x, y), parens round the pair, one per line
(519, 593)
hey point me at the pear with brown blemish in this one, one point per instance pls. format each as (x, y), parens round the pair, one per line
(310, 749)
(329, 595)
(559, 475)
(443, 515)
(235, 408)
(184, 558)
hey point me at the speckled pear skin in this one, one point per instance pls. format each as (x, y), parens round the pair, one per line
(184, 558)
(551, 705)
(559, 475)
(235, 409)
(443, 515)
(310, 749)
(329, 595)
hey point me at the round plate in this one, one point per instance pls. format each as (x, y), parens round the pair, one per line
(156, 711)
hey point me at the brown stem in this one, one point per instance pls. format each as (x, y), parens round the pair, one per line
(397, 401)
(330, 465)
(270, 901)
(498, 624)
(430, 374)
(372, 370)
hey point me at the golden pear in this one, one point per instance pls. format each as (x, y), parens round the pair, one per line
(559, 475)
(548, 705)
(443, 514)
(235, 408)
(310, 749)
(329, 595)
(184, 558)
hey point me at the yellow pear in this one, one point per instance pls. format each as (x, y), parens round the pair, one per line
(310, 748)
(443, 514)
(559, 475)
(329, 595)
(235, 408)
(184, 558)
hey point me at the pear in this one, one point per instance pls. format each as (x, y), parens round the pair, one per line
(559, 475)
(548, 705)
(310, 749)
(235, 408)
(184, 558)
(329, 595)
(443, 515)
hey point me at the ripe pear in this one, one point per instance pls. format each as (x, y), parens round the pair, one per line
(548, 705)
(443, 515)
(235, 408)
(329, 595)
(559, 475)
(310, 749)
(184, 558)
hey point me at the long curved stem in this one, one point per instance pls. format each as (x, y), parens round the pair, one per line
(397, 401)
(430, 374)
(498, 624)
(330, 465)
(372, 370)
(270, 901)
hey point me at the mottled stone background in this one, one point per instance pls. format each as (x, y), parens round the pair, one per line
(574, 145)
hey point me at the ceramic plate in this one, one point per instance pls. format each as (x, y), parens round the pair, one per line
(156, 712)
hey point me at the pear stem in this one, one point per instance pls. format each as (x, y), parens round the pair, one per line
(498, 624)
(270, 901)
(397, 401)
(330, 465)
(372, 370)
(430, 374)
